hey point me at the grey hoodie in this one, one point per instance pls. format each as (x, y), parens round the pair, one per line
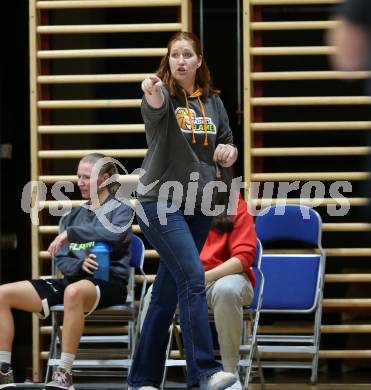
(84, 228)
(171, 154)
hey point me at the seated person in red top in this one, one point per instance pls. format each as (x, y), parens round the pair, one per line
(227, 256)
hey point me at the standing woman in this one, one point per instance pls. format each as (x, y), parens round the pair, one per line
(187, 132)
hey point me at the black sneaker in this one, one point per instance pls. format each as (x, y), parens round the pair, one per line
(6, 377)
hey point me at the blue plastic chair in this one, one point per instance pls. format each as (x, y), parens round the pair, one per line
(126, 312)
(294, 280)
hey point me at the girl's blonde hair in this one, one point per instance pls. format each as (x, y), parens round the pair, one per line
(108, 167)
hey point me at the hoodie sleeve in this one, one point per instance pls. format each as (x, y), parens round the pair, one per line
(155, 119)
(242, 239)
(225, 135)
(69, 266)
(113, 232)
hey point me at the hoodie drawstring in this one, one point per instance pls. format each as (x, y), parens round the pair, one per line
(197, 94)
(190, 117)
(204, 119)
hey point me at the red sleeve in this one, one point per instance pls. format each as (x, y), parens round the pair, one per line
(242, 240)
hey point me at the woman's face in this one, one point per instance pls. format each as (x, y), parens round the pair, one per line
(183, 62)
(88, 180)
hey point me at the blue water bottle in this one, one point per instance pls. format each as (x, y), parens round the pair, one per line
(102, 252)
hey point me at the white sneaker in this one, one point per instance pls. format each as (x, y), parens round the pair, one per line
(148, 388)
(236, 386)
(143, 388)
(218, 381)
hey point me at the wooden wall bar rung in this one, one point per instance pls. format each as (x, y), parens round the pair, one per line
(285, 328)
(312, 151)
(132, 153)
(323, 354)
(345, 354)
(66, 4)
(53, 229)
(348, 278)
(140, 278)
(310, 100)
(292, 50)
(80, 129)
(48, 179)
(331, 252)
(352, 328)
(311, 126)
(325, 176)
(324, 202)
(347, 302)
(48, 229)
(331, 278)
(303, 329)
(57, 204)
(293, 2)
(109, 28)
(336, 252)
(295, 25)
(149, 254)
(100, 53)
(92, 78)
(79, 104)
(113, 329)
(44, 255)
(310, 75)
(346, 227)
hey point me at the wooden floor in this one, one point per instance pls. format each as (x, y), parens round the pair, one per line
(282, 386)
(253, 386)
(327, 386)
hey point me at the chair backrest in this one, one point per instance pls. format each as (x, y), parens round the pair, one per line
(289, 223)
(137, 252)
(258, 254)
(256, 302)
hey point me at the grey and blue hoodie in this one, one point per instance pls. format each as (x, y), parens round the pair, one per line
(172, 156)
(84, 228)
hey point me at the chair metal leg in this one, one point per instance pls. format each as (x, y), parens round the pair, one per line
(167, 355)
(53, 347)
(178, 341)
(314, 372)
(260, 369)
(56, 334)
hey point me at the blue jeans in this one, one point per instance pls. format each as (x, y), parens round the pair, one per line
(180, 279)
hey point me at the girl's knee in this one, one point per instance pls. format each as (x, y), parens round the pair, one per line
(227, 293)
(72, 296)
(6, 294)
(3, 296)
